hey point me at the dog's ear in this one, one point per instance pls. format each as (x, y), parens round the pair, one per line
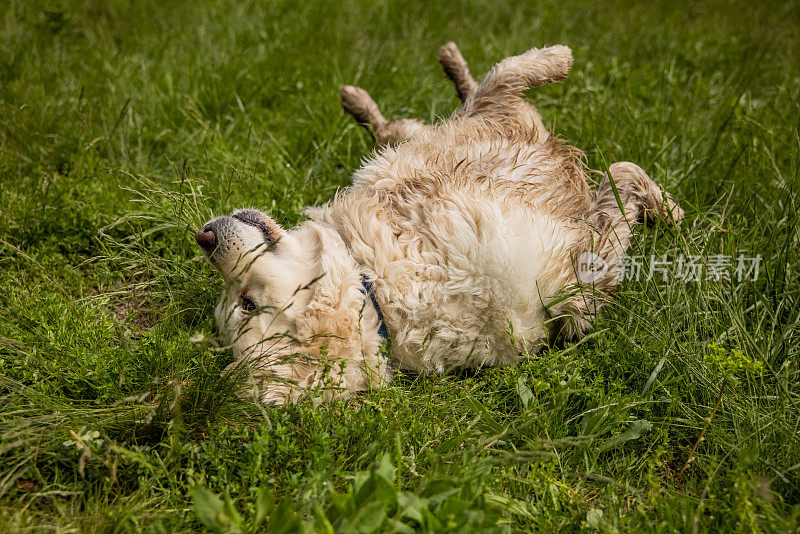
(271, 230)
(338, 303)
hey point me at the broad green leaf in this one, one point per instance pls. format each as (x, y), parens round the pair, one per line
(633, 432)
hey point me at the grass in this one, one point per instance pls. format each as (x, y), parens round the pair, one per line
(123, 125)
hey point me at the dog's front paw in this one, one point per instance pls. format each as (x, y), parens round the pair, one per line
(673, 213)
(669, 213)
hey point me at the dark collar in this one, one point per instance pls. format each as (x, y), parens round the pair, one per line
(369, 290)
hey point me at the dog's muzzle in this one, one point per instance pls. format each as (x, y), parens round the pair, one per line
(225, 239)
(206, 238)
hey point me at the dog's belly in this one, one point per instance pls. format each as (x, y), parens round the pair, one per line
(471, 285)
(469, 239)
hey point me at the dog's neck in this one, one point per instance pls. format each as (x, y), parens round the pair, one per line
(369, 291)
(342, 305)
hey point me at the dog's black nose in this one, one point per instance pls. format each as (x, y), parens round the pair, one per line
(206, 238)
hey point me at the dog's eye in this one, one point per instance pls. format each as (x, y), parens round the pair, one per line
(248, 305)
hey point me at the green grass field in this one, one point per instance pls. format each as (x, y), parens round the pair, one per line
(124, 125)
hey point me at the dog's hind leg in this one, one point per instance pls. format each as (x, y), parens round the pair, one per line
(505, 83)
(456, 68)
(359, 104)
(599, 262)
(499, 95)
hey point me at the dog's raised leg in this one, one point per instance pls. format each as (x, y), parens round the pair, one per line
(359, 104)
(599, 265)
(499, 95)
(505, 83)
(456, 68)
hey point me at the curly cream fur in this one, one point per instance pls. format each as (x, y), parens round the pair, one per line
(474, 232)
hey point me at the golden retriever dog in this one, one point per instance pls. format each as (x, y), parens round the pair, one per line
(467, 244)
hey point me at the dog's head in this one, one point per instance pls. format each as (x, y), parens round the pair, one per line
(269, 277)
(291, 299)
